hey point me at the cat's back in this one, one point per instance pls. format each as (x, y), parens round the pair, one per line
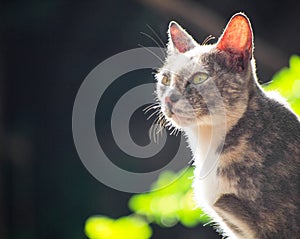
(269, 127)
(261, 158)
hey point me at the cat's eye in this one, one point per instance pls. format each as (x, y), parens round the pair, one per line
(200, 77)
(165, 81)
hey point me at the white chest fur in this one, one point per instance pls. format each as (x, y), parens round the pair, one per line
(209, 187)
(206, 189)
(204, 149)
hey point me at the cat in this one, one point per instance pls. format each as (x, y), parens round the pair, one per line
(249, 141)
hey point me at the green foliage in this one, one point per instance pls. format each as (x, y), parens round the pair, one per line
(101, 227)
(170, 199)
(171, 203)
(287, 83)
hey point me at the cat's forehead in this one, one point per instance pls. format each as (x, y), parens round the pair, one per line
(199, 50)
(188, 61)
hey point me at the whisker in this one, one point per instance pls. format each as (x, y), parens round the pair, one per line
(147, 35)
(156, 112)
(157, 129)
(207, 39)
(151, 135)
(154, 129)
(154, 107)
(157, 36)
(169, 125)
(161, 117)
(152, 53)
(156, 98)
(160, 127)
(162, 122)
(172, 132)
(150, 106)
(151, 130)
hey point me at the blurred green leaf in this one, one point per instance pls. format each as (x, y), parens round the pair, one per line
(172, 203)
(101, 227)
(287, 83)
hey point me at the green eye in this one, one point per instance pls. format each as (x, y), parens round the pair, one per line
(200, 77)
(165, 81)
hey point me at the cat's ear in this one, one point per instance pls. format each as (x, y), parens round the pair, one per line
(179, 39)
(237, 37)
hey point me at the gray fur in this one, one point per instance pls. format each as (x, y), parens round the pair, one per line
(260, 158)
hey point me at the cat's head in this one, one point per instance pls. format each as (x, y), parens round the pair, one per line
(198, 82)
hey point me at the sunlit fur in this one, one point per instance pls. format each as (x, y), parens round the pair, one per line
(253, 191)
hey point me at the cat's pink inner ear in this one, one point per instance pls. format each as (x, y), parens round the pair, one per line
(181, 40)
(237, 37)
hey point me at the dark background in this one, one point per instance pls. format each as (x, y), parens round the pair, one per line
(47, 48)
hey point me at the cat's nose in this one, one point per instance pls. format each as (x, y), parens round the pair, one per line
(169, 103)
(174, 97)
(171, 100)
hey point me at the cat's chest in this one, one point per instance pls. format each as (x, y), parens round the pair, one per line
(208, 189)
(208, 184)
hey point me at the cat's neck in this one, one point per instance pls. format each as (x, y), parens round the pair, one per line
(204, 141)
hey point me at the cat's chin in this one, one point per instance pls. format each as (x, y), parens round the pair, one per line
(182, 122)
(186, 122)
